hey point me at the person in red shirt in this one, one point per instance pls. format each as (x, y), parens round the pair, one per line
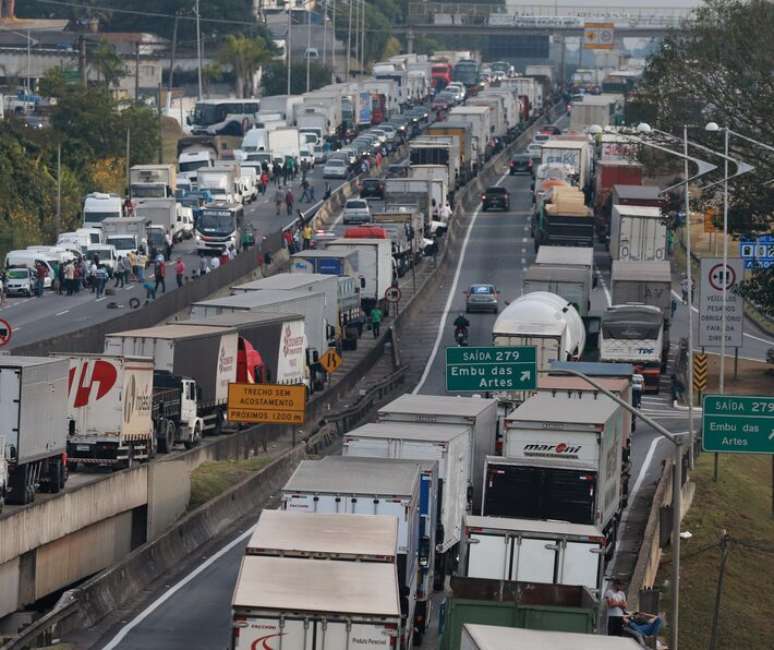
(40, 274)
(179, 271)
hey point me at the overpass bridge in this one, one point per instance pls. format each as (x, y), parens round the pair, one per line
(428, 18)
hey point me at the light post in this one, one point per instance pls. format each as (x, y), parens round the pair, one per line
(677, 478)
(198, 50)
(713, 127)
(288, 51)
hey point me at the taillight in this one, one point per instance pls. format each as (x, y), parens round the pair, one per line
(393, 634)
(483, 196)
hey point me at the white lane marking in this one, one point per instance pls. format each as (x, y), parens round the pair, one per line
(523, 250)
(605, 289)
(116, 640)
(62, 313)
(452, 294)
(129, 288)
(750, 336)
(643, 470)
(524, 240)
(523, 261)
(100, 299)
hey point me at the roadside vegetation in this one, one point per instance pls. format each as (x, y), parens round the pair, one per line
(212, 479)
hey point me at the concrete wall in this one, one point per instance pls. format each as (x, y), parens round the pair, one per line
(169, 490)
(9, 586)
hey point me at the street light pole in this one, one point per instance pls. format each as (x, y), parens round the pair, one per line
(349, 39)
(288, 50)
(198, 48)
(677, 442)
(689, 277)
(725, 268)
(308, 46)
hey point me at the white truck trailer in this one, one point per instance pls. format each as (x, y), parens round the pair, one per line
(492, 637)
(375, 267)
(33, 426)
(301, 604)
(524, 550)
(638, 234)
(110, 407)
(125, 234)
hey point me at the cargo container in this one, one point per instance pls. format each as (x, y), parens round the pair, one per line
(563, 219)
(564, 281)
(517, 605)
(438, 175)
(491, 637)
(307, 604)
(497, 115)
(152, 181)
(468, 141)
(325, 262)
(366, 486)
(480, 120)
(375, 267)
(524, 550)
(637, 195)
(638, 234)
(110, 402)
(615, 172)
(206, 355)
(450, 446)
(310, 305)
(33, 426)
(562, 460)
(570, 152)
(648, 283)
(438, 150)
(405, 226)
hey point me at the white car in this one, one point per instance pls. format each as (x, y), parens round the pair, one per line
(356, 211)
(336, 168)
(19, 282)
(306, 156)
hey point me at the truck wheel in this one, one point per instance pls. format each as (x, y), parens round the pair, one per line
(197, 437)
(218, 430)
(54, 476)
(167, 440)
(129, 457)
(22, 491)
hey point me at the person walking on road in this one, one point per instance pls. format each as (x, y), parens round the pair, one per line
(131, 262)
(289, 200)
(376, 321)
(305, 194)
(179, 271)
(264, 182)
(41, 272)
(142, 260)
(160, 271)
(100, 279)
(615, 599)
(278, 198)
(69, 278)
(60, 277)
(307, 235)
(276, 173)
(118, 274)
(204, 267)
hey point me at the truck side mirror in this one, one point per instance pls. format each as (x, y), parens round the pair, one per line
(188, 120)
(362, 283)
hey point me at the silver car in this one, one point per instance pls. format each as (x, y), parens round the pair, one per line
(336, 168)
(482, 297)
(356, 211)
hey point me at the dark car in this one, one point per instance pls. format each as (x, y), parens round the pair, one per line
(551, 129)
(521, 164)
(496, 197)
(372, 188)
(482, 297)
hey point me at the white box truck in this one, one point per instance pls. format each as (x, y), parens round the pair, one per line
(478, 413)
(562, 460)
(110, 408)
(310, 305)
(491, 637)
(300, 604)
(33, 425)
(449, 446)
(649, 283)
(365, 486)
(152, 181)
(638, 233)
(375, 267)
(524, 550)
(125, 234)
(284, 143)
(208, 356)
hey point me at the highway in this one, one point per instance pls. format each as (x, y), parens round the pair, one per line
(33, 319)
(497, 249)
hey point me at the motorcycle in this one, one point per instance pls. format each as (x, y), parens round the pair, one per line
(461, 336)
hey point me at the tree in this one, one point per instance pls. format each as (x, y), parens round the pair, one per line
(110, 67)
(275, 78)
(719, 69)
(245, 55)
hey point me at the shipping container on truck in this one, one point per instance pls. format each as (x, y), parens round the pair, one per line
(366, 486)
(110, 402)
(33, 426)
(637, 195)
(562, 460)
(594, 110)
(270, 347)
(311, 305)
(311, 283)
(463, 130)
(152, 181)
(525, 550)
(649, 283)
(325, 262)
(375, 267)
(564, 281)
(480, 120)
(570, 152)
(476, 412)
(615, 172)
(563, 219)
(497, 117)
(638, 234)
(437, 150)
(206, 355)
(493, 637)
(479, 601)
(510, 104)
(438, 175)
(447, 444)
(302, 604)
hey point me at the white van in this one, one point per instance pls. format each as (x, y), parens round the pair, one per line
(56, 254)
(27, 260)
(19, 282)
(107, 256)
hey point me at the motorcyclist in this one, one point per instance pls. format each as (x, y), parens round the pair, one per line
(461, 325)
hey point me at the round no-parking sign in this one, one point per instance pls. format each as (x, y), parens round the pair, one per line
(720, 276)
(5, 332)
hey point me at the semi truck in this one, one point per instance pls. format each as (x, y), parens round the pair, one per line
(366, 486)
(33, 426)
(477, 413)
(320, 604)
(469, 143)
(219, 227)
(570, 152)
(626, 194)
(648, 283)
(110, 403)
(437, 150)
(220, 183)
(636, 334)
(152, 181)
(325, 262)
(524, 550)
(561, 460)
(375, 267)
(207, 356)
(563, 219)
(562, 280)
(448, 445)
(638, 233)
(98, 206)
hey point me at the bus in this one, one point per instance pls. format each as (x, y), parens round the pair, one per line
(223, 116)
(467, 72)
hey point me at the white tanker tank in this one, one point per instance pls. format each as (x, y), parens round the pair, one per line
(545, 320)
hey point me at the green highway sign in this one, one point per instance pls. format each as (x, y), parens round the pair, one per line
(733, 423)
(495, 368)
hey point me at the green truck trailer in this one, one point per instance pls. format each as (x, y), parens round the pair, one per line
(557, 608)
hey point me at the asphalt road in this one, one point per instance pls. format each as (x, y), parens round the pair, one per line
(33, 319)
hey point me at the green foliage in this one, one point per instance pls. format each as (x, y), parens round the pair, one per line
(110, 67)
(275, 78)
(245, 55)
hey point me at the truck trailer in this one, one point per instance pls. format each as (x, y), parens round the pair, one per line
(638, 234)
(492, 637)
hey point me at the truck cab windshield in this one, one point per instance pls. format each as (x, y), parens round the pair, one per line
(216, 222)
(98, 217)
(122, 243)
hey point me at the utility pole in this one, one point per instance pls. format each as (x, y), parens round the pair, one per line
(333, 36)
(82, 61)
(58, 222)
(308, 46)
(198, 48)
(136, 71)
(362, 38)
(325, 31)
(128, 156)
(161, 137)
(172, 57)
(349, 39)
(29, 63)
(689, 278)
(288, 55)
